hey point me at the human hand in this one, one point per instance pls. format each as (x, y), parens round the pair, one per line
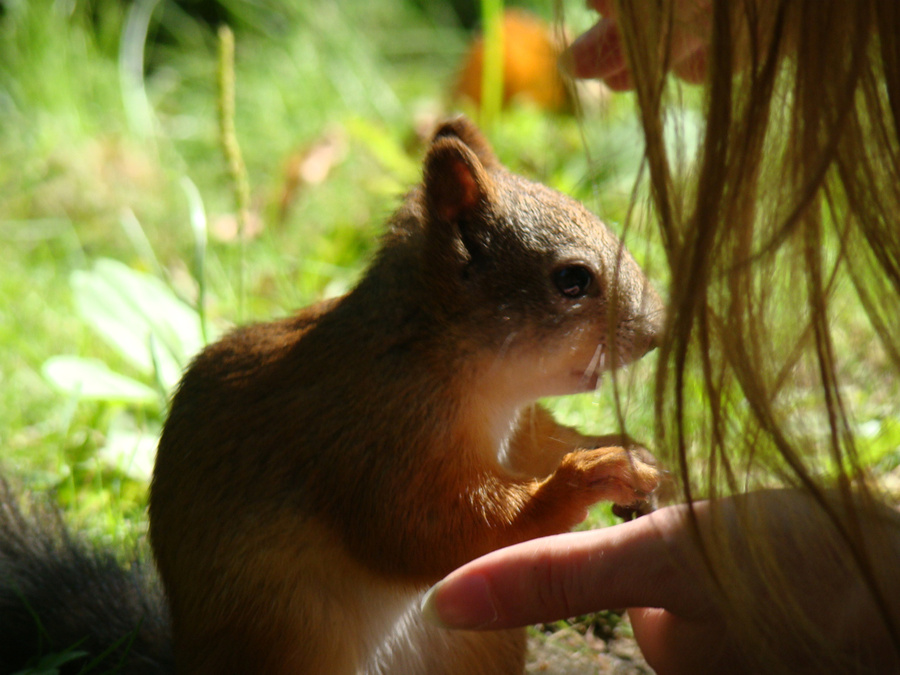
(655, 563)
(599, 52)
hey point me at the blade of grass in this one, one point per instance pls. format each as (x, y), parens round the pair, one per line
(200, 230)
(131, 67)
(492, 66)
(232, 150)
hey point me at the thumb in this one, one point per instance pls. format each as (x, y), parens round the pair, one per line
(543, 580)
(677, 645)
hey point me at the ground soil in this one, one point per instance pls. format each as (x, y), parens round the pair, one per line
(600, 644)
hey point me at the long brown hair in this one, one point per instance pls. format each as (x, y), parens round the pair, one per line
(793, 194)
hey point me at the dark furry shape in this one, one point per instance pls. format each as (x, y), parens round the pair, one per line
(59, 594)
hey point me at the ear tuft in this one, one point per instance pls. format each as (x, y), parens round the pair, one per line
(464, 129)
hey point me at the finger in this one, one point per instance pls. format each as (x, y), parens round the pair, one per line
(598, 53)
(674, 645)
(620, 81)
(692, 67)
(628, 565)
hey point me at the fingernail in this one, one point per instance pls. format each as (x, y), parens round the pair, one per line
(460, 603)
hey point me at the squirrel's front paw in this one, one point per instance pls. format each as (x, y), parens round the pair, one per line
(625, 476)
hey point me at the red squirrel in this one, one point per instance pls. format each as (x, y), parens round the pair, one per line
(317, 474)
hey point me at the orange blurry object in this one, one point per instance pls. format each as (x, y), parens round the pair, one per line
(530, 70)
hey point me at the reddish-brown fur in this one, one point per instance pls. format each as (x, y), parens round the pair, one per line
(317, 473)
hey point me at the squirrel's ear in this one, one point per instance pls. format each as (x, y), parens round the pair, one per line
(455, 181)
(464, 129)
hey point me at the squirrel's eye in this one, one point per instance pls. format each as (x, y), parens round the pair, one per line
(573, 281)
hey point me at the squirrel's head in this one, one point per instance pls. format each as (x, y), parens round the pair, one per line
(521, 271)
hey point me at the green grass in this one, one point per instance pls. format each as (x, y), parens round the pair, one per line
(110, 149)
